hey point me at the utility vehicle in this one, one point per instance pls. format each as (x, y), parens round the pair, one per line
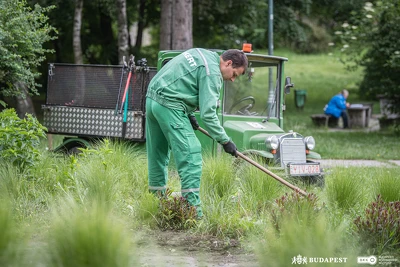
(84, 103)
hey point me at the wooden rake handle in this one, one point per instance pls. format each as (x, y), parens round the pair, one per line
(262, 168)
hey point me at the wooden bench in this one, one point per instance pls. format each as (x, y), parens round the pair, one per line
(324, 120)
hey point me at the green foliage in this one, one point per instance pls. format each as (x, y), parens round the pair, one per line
(7, 236)
(292, 205)
(219, 177)
(88, 236)
(235, 22)
(175, 213)
(313, 239)
(23, 31)
(344, 191)
(373, 41)
(387, 185)
(259, 188)
(379, 228)
(20, 138)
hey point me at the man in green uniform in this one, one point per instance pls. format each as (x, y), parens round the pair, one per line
(189, 81)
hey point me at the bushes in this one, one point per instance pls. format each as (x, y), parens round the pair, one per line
(380, 226)
(19, 138)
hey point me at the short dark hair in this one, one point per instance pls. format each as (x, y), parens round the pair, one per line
(238, 58)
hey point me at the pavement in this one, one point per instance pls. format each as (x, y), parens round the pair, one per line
(358, 163)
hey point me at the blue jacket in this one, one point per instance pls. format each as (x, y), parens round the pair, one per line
(336, 105)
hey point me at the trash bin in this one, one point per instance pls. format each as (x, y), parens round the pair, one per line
(300, 98)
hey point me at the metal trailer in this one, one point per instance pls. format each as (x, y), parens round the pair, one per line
(82, 103)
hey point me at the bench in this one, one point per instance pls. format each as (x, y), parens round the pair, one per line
(324, 120)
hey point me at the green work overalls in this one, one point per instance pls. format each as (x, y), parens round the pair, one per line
(189, 81)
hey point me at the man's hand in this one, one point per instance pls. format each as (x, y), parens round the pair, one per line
(230, 148)
(194, 122)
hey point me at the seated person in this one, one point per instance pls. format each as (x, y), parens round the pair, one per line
(337, 107)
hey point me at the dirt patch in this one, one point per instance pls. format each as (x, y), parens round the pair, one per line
(170, 248)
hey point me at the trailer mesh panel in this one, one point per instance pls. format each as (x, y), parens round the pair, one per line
(96, 86)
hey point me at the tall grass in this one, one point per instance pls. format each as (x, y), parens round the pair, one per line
(8, 235)
(346, 188)
(221, 199)
(307, 239)
(387, 184)
(257, 188)
(108, 188)
(27, 197)
(218, 177)
(88, 236)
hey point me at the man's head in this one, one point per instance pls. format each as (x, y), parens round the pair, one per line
(345, 93)
(233, 63)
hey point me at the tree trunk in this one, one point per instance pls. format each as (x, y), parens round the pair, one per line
(123, 46)
(166, 24)
(24, 103)
(182, 25)
(79, 94)
(141, 23)
(77, 32)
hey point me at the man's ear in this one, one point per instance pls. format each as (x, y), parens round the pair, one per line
(228, 63)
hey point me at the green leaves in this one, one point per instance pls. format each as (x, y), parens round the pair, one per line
(19, 138)
(23, 31)
(379, 227)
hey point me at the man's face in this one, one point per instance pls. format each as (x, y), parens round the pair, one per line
(228, 72)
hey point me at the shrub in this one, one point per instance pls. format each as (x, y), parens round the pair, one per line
(20, 138)
(175, 213)
(380, 226)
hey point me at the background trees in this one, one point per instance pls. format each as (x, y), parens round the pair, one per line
(372, 40)
(109, 29)
(23, 31)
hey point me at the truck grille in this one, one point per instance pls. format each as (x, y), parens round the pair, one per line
(292, 150)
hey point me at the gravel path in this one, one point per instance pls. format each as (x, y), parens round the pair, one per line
(358, 163)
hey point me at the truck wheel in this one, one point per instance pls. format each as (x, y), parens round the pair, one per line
(74, 150)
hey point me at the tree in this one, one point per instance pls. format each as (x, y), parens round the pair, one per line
(176, 24)
(23, 30)
(77, 32)
(123, 45)
(373, 42)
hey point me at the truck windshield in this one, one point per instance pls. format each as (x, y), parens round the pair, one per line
(253, 94)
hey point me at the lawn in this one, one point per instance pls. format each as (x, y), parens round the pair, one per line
(94, 209)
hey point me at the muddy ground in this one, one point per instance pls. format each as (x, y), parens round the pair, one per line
(182, 249)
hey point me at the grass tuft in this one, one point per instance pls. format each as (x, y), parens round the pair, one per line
(88, 236)
(387, 184)
(345, 189)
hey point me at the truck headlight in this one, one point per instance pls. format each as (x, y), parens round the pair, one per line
(310, 142)
(272, 142)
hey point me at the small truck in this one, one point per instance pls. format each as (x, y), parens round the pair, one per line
(89, 102)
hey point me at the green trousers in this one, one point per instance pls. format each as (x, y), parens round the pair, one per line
(170, 130)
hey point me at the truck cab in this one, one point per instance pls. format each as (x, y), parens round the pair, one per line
(251, 110)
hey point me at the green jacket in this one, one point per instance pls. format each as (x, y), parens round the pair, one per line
(189, 81)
